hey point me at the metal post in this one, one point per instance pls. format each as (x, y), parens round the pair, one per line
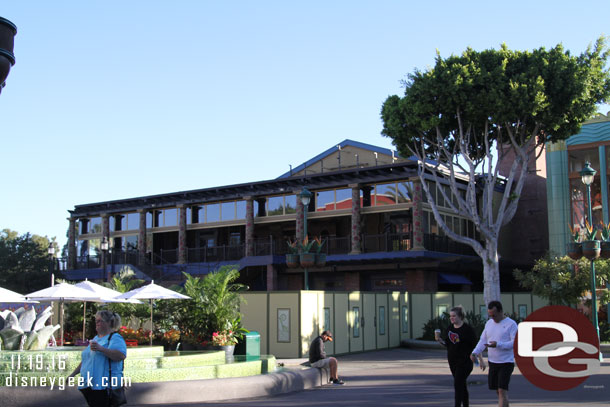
(305, 271)
(593, 288)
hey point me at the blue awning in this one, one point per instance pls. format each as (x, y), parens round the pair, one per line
(444, 278)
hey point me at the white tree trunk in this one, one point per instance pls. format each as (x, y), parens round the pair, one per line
(491, 272)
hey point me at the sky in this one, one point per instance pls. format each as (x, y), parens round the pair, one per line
(116, 99)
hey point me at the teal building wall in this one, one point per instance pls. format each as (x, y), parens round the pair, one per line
(596, 131)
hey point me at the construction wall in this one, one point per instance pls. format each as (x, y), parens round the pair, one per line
(288, 321)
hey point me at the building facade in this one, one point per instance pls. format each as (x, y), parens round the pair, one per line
(567, 199)
(367, 205)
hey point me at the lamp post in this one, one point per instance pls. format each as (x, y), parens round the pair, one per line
(305, 197)
(51, 251)
(587, 175)
(104, 247)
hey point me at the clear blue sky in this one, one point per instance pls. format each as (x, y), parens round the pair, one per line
(115, 99)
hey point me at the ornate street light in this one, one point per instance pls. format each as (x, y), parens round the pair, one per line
(305, 197)
(587, 175)
(51, 251)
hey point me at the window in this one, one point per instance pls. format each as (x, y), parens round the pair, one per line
(326, 322)
(275, 206)
(405, 192)
(240, 210)
(234, 239)
(133, 221)
(290, 204)
(385, 194)
(171, 217)
(227, 211)
(344, 198)
(95, 225)
(522, 311)
(325, 201)
(131, 242)
(212, 213)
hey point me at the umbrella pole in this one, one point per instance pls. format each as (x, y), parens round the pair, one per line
(151, 321)
(61, 321)
(84, 317)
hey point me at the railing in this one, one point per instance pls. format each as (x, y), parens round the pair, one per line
(152, 264)
(387, 242)
(444, 244)
(215, 253)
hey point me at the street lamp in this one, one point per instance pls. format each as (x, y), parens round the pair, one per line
(587, 175)
(305, 196)
(51, 251)
(104, 247)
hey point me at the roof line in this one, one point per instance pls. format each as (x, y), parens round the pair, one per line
(344, 143)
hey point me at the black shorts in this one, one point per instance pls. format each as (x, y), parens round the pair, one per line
(499, 375)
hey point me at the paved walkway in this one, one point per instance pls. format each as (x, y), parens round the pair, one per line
(416, 377)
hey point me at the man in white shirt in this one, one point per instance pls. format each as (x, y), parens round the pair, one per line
(498, 338)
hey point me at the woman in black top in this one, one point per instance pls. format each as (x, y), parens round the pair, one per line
(460, 340)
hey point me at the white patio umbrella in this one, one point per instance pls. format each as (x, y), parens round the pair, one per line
(9, 296)
(63, 292)
(153, 292)
(106, 295)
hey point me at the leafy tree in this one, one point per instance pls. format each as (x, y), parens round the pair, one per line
(563, 281)
(453, 114)
(214, 306)
(123, 282)
(24, 261)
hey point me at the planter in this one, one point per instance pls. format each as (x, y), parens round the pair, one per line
(591, 249)
(292, 260)
(308, 259)
(574, 250)
(320, 259)
(605, 254)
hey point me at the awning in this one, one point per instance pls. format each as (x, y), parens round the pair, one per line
(444, 278)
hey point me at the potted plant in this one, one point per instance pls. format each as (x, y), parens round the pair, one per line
(225, 340)
(591, 247)
(307, 259)
(292, 258)
(605, 244)
(320, 257)
(574, 248)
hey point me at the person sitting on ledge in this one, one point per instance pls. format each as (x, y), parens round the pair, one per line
(317, 356)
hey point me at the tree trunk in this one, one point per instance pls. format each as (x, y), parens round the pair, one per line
(491, 272)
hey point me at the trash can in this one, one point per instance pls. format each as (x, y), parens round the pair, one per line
(250, 346)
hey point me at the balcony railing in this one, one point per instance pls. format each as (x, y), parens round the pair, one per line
(387, 242)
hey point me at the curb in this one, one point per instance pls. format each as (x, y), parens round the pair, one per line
(185, 391)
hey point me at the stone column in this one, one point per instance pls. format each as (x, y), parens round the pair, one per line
(356, 220)
(142, 237)
(271, 278)
(418, 215)
(72, 244)
(299, 218)
(249, 226)
(182, 254)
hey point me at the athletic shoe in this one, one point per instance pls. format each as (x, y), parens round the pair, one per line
(338, 381)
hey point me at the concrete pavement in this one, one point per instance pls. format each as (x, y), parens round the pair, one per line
(410, 377)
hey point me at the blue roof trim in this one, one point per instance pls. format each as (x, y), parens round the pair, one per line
(81, 274)
(590, 133)
(445, 278)
(344, 143)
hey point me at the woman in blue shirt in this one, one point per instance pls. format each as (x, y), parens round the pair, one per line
(108, 347)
